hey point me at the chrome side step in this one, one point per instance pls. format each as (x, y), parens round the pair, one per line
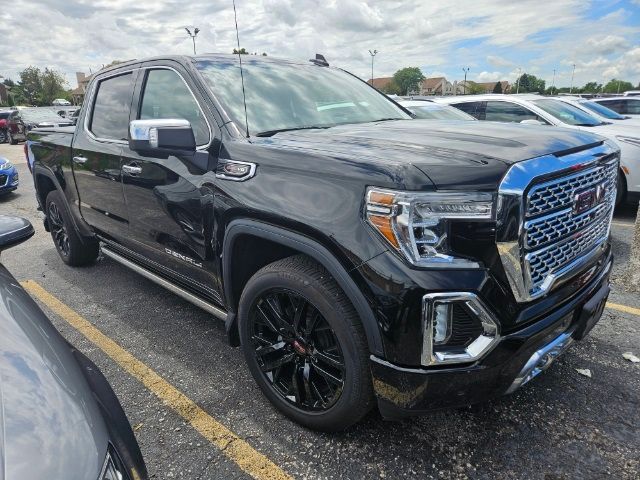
(189, 297)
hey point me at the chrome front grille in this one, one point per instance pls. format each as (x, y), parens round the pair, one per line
(563, 207)
(555, 235)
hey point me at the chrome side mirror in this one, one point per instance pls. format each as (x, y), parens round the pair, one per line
(14, 230)
(161, 135)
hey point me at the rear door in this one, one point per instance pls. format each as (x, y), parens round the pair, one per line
(97, 151)
(170, 199)
(503, 111)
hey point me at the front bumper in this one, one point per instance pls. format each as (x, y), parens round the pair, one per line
(517, 358)
(9, 180)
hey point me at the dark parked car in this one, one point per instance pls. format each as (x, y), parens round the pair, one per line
(356, 254)
(20, 122)
(59, 418)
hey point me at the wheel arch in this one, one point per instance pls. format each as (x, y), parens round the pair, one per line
(288, 243)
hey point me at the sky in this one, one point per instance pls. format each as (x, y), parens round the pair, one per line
(493, 38)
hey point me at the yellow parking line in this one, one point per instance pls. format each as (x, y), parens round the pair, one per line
(244, 455)
(624, 308)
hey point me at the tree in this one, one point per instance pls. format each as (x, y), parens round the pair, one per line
(498, 88)
(53, 84)
(408, 79)
(30, 84)
(8, 82)
(591, 87)
(617, 86)
(391, 88)
(242, 51)
(473, 88)
(529, 84)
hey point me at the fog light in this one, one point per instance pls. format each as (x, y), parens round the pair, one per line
(458, 328)
(442, 323)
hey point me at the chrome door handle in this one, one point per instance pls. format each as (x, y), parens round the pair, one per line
(132, 169)
(79, 160)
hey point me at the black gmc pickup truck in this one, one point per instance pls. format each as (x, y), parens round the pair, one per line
(356, 254)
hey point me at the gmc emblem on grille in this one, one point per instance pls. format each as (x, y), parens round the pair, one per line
(588, 199)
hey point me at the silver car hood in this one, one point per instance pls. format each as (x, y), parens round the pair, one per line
(50, 424)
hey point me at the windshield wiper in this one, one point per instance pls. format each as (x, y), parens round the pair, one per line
(270, 133)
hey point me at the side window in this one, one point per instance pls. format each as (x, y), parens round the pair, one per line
(472, 108)
(508, 112)
(615, 105)
(632, 106)
(110, 116)
(167, 96)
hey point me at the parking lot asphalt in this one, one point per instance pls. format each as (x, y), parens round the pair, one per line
(562, 425)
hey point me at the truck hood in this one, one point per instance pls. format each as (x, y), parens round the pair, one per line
(453, 154)
(50, 425)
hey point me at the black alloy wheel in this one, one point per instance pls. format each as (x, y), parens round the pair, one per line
(58, 230)
(297, 350)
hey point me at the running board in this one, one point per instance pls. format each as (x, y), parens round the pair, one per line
(189, 297)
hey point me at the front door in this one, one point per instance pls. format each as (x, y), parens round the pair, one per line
(170, 199)
(96, 156)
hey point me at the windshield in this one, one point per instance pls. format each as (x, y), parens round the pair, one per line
(567, 113)
(285, 96)
(4, 115)
(433, 111)
(602, 110)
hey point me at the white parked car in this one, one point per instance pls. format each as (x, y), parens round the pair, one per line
(434, 111)
(632, 93)
(61, 102)
(601, 112)
(539, 110)
(629, 105)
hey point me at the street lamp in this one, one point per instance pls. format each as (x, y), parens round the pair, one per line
(518, 83)
(373, 54)
(193, 36)
(572, 74)
(464, 85)
(553, 84)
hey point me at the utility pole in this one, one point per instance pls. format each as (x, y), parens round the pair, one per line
(619, 87)
(518, 83)
(572, 74)
(464, 86)
(193, 36)
(373, 54)
(553, 85)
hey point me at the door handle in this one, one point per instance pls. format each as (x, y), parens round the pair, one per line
(132, 169)
(79, 160)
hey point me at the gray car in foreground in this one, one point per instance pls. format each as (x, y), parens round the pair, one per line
(59, 418)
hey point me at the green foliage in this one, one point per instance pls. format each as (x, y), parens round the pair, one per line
(473, 88)
(391, 88)
(52, 86)
(242, 51)
(497, 88)
(30, 84)
(407, 80)
(37, 87)
(617, 86)
(591, 87)
(8, 82)
(529, 84)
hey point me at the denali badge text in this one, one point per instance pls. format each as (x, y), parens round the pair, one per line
(588, 199)
(183, 258)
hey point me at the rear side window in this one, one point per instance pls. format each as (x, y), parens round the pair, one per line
(167, 96)
(632, 106)
(110, 117)
(615, 105)
(472, 108)
(507, 112)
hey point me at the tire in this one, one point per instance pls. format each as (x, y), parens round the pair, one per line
(75, 250)
(323, 381)
(621, 186)
(3, 135)
(10, 138)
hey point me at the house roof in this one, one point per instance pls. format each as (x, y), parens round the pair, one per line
(433, 82)
(381, 82)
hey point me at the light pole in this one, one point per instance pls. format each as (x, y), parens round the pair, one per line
(464, 85)
(553, 84)
(573, 72)
(619, 87)
(518, 83)
(193, 36)
(373, 54)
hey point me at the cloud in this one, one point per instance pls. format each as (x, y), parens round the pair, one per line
(606, 45)
(497, 61)
(489, 76)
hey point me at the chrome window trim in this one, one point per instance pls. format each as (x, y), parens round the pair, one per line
(511, 216)
(92, 99)
(477, 349)
(165, 67)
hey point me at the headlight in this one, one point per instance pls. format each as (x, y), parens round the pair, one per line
(6, 166)
(417, 223)
(631, 140)
(112, 470)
